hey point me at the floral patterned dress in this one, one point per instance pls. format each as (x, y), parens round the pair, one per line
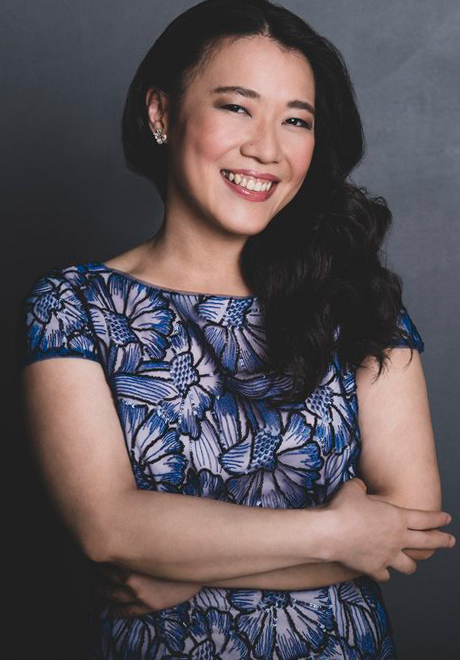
(200, 417)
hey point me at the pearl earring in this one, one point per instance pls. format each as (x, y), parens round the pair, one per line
(159, 137)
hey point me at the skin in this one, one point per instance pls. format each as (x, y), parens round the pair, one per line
(207, 224)
(404, 474)
(155, 550)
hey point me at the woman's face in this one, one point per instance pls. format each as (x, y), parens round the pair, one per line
(263, 134)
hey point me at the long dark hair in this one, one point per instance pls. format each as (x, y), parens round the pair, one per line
(317, 268)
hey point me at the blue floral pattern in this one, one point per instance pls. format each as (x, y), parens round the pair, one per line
(200, 417)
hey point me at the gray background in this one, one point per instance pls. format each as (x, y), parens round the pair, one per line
(66, 197)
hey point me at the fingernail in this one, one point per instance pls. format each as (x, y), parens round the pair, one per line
(449, 518)
(452, 541)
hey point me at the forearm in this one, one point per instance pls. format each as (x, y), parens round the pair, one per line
(305, 576)
(197, 539)
(312, 575)
(187, 538)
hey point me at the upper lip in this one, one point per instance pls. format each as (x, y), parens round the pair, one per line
(254, 174)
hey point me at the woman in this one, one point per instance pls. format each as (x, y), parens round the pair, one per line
(224, 360)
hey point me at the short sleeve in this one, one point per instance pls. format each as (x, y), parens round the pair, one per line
(53, 322)
(407, 335)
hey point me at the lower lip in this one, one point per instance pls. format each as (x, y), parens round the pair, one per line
(250, 195)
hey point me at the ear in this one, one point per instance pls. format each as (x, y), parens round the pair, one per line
(157, 104)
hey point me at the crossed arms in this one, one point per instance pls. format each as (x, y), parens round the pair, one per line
(79, 443)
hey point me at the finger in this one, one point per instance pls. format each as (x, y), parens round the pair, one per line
(104, 584)
(115, 593)
(112, 571)
(129, 611)
(429, 540)
(418, 519)
(360, 483)
(381, 576)
(418, 554)
(404, 564)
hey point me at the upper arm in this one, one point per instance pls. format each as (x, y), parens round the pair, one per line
(398, 458)
(70, 415)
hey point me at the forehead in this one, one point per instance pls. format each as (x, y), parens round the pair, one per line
(259, 63)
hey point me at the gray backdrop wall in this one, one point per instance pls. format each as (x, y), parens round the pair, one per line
(66, 197)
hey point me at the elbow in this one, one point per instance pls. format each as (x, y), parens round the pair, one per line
(405, 502)
(426, 499)
(96, 541)
(97, 548)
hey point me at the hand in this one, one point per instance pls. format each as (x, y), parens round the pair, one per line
(132, 594)
(371, 535)
(413, 553)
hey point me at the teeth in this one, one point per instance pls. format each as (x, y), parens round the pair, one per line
(247, 182)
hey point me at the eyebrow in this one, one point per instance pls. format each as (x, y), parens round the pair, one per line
(251, 94)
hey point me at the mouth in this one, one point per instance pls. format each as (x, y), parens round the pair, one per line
(250, 187)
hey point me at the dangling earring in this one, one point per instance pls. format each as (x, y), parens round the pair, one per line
(159, 137)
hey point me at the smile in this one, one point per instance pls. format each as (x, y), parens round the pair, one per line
(248, 182)
(250, 188)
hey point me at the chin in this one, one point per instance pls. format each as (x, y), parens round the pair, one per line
(245, 229)
(246, 225)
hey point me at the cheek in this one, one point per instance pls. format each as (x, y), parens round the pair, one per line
(210, 133)
(203, 144)
(301, 160)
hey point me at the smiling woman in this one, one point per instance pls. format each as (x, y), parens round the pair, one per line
(261, 139)
(222, 449)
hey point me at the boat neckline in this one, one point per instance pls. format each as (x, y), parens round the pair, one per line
(180, 292)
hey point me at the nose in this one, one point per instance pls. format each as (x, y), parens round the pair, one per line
(262, 143)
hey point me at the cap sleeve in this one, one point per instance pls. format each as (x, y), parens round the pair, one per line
(53, 322)
(407, 334)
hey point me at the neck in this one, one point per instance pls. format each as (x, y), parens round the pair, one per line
(199, 261)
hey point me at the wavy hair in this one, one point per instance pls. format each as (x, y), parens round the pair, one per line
(318, 266)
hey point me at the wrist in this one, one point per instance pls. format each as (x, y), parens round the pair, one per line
(326, 529)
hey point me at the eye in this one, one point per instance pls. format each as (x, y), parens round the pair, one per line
(306, 124)
(228, 106)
